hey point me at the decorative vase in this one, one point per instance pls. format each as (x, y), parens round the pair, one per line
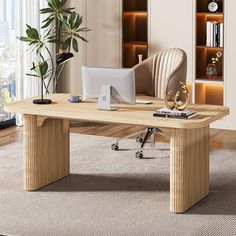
(140, 58)
(211, 71)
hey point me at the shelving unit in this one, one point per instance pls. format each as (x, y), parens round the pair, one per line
(207, 90)
(135, 33)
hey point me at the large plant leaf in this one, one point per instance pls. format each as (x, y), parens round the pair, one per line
(54, 3)
(47, 35)
(66, 44)
(78, 22)
(72, 18)
(33, 42)
(82, 38)
(63, 2)
(68, 10)
(85, 29)
(32, 75)
(33, 33)
(50, 20)
(50, 4)
(25, 39)
(75, 45)
(43, 68)
(46, 10)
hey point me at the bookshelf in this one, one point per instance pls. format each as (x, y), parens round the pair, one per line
(209, 41)
(135, 31)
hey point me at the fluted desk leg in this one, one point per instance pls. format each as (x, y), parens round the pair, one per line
(46, 151)
(189, 168)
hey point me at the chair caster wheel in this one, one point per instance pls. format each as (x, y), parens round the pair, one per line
(139, 155)
(139, 139)
(115, 147)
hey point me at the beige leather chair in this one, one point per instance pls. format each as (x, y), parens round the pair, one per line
(155, 77)
(161, 73)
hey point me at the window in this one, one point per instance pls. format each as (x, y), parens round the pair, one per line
(7, 58)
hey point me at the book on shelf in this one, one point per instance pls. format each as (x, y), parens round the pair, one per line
(221, 34)
(208, 34)
(214, 34)
(165, 112)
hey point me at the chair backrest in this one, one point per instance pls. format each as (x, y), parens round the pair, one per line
(169, 67)
(161, 73)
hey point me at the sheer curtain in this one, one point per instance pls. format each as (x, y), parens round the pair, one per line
(27, 13)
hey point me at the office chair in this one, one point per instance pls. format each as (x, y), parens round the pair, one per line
(156, 76)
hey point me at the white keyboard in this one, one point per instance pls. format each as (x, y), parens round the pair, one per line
(143, 101)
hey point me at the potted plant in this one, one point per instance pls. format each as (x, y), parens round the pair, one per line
(62, 27)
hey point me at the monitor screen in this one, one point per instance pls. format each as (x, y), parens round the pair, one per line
(122, 82)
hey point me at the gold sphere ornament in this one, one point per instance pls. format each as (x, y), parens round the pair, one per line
(179, 100)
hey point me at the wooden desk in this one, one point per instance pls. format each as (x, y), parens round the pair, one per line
(46, 142)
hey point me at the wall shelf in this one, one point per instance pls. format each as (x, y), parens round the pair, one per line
(144, 13)
(136, 43)
(208, 81)
(203, 4)
(135, 31)
(217, 14)
(212, 94)
(208, 91)
(217, 48)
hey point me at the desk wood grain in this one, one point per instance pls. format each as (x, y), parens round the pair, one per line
(139, 114)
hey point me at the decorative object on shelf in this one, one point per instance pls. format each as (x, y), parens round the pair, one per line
(140, 58)
(62, 27)
(178, 100)
(213, 6)
(211, 70)
(216, 59)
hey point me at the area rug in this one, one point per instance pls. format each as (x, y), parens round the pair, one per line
(113, 193)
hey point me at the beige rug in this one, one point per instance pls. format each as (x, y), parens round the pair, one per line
(113, 193)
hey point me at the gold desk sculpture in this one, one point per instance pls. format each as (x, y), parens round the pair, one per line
(178, 100)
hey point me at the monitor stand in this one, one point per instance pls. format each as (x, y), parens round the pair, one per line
(104, 99)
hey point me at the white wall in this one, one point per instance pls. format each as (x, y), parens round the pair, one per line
(170, 26)
(105, 40)
(71, 78)
(104, 18)
(230, 66)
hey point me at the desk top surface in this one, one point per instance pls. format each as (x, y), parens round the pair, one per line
(139, 114)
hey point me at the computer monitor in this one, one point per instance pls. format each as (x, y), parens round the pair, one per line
(119, 83)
